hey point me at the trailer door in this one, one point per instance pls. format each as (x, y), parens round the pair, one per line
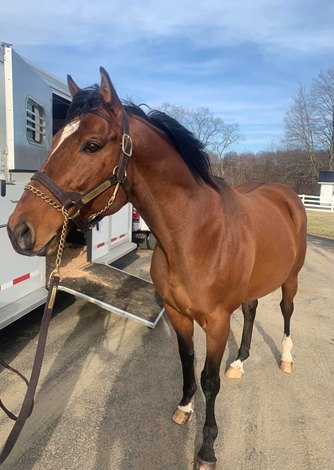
(100, 236)
(22, 278)
(28, 101)
(121, 226)
(111, 238)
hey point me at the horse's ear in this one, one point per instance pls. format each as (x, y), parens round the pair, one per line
(72, 86)
(107, 90)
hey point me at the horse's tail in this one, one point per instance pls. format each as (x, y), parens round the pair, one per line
(298, 215)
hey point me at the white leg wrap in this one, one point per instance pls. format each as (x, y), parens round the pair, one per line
(238, 364)
(286, 349)
(187, 408)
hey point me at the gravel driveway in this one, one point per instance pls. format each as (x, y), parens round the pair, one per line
(109, 386)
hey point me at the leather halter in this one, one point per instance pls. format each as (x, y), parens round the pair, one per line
(70, 199)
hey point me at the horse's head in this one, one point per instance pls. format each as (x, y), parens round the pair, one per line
(84, 174)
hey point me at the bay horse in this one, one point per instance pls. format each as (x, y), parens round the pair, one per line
(217, 247)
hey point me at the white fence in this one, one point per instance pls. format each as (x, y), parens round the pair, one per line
(313, 203)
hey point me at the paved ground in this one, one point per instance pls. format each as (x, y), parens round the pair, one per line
(109, 386)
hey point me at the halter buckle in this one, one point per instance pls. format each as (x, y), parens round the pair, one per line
(127, 145)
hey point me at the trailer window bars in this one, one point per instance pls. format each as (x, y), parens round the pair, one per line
(35, 122)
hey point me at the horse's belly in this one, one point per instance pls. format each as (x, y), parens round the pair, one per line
(270, 272)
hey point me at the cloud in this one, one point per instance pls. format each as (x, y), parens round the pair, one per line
(241, 59)
(291, 25)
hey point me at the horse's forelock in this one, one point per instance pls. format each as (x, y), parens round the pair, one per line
(86, 100)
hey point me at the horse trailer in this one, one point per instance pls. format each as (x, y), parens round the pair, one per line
(33, 107)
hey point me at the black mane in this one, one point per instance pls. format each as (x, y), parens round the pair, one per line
(86, 100)
(187, 145)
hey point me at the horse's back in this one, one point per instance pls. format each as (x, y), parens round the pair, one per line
(275, 195)
(268, 189)
(262, 200)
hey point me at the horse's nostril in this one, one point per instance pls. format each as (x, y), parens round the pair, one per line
(23, 236)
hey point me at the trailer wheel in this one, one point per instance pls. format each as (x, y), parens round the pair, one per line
(142, 242)
(150, 241)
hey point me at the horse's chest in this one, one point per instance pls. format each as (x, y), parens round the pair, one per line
(196, 288)
(186, 294)
(174, 288)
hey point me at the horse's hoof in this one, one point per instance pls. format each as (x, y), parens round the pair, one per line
(233, 373)
(182, 417)
(203, 465)
(286, 367)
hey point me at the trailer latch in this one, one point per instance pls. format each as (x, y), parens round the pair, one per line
(3, 188)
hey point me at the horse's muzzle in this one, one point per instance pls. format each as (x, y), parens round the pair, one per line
(23, 238)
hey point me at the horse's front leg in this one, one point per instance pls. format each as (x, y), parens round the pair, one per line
(184, 328)
(217, 331)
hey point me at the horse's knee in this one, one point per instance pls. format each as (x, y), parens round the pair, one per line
(210, 384)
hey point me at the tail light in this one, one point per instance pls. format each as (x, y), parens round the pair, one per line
(135, 215)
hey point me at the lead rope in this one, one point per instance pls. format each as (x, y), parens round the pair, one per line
(15, 371)
(54, 279)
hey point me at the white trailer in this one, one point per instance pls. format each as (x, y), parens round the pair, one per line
(33, 107)
(141, 232)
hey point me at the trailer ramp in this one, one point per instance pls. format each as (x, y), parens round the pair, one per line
(116, 291)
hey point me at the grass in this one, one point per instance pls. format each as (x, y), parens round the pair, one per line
(320, 224)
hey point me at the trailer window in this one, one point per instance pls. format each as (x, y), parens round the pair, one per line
(59, 112)
(35, 122)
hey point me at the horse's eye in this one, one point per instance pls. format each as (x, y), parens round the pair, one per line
(91, 147)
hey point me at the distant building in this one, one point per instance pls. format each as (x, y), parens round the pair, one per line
(326, 181)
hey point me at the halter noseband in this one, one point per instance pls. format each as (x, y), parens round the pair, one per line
(77, 200)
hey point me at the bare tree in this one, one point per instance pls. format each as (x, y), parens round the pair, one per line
(216, 164)
(229, 135)
(322, 93)
(300, 125)
(309, 123)
(212, 131)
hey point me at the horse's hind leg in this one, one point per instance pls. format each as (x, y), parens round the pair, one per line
(289, 289)
(184, 328)
(236, 370)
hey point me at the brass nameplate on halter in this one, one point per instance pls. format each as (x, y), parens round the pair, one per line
(52, 297)
(95, 192)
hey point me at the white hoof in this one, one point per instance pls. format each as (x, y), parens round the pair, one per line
(183, 414)
(286, 367)
(235, 371)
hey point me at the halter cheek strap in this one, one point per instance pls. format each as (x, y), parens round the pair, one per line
(69, 199)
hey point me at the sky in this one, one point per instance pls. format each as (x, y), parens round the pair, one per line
(242, 59)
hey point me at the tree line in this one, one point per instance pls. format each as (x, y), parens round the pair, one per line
(309, 123)
(290, 167)
(306, 147)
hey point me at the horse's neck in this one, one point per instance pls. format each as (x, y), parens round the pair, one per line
(169, 198)
(165, 202)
